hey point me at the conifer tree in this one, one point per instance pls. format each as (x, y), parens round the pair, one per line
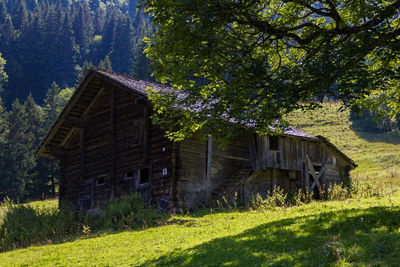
(20, 15)
(18, 160)
(141, 68)
(3, 12)
(122, 45)
(3, 74)
(105, 64)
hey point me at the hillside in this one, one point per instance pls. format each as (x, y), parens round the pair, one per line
(376, 154)
(359, 231)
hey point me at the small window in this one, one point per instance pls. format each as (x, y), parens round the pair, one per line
(164, 171)
(333, 160)
(100, 181)
(274, 142)
(163, 149)
(130, 174)
(144, 176)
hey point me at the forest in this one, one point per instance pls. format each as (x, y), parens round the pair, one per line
(45, 49)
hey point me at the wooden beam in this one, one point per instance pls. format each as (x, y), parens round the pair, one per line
(82, 154)
(65, 140)
(227, 156)
(174, 174)
(74, 121)
(253, 152)
(320, 173)
(112, 121)
(263, 150)
(92, 102)
(208, 167)
(313, 173)
(57, 124)
(307, 177)
(274, 179)
(146, 134)
(55, 151)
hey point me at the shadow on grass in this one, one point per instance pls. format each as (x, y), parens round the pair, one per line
(367, 129)
(24, 225)
(362, 236)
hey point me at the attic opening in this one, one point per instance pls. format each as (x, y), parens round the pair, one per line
(274, 142)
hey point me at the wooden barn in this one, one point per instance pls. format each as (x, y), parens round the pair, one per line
(107, 146)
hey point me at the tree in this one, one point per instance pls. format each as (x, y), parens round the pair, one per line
(105, 64)
(141, 65)
(3, 74)
(251, 62)
(20, 15)
(18, 159)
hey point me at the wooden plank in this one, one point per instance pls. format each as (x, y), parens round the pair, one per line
(174, 174)
(208, 167)
(317, 179)
(74, 121)
(82, 154)
(253, 152)
(146, 133)
(313, 173)
(307, 177)
(274, 178)
(263, 149)
(112, 119)
(92, 103)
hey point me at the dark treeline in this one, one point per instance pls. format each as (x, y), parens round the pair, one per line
(22, 175)
(46, 45)
(52, 40)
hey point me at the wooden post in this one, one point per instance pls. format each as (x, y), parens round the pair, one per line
(307, 176)
(209, 164)
(146, 134)
(253, 152)
(82, 154)
(274, 179)
(112, 121)
(174, 174)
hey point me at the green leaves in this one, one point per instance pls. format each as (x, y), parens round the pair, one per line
(250, 62)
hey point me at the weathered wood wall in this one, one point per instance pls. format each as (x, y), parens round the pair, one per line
(116, 138)
(286, 166)
(193, 188)
(113, 137)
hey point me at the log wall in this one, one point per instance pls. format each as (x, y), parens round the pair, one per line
(115, 141)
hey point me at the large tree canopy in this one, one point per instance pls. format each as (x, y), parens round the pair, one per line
(254, 61)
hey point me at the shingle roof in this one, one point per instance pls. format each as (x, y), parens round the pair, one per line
(141, 86)
(137, 86)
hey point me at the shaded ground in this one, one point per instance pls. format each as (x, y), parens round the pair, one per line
(365, 236)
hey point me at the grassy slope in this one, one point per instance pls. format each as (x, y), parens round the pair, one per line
(377, 155)
(361, 231)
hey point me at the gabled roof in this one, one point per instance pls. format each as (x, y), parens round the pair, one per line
(80, 102)
(84, 96)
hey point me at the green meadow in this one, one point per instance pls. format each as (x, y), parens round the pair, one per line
(358, 231)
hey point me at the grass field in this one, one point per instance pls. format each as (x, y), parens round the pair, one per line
(353, 232)
(364, 232)
(376, 154)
